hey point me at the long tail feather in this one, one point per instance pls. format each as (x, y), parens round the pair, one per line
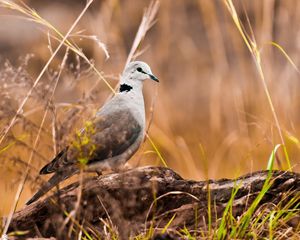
(53, 181)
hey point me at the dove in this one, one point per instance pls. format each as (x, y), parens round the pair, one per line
(110, 138)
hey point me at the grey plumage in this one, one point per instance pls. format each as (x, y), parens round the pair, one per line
(110, 138)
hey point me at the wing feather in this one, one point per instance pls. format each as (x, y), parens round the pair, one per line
(53, 166)
(104, 137)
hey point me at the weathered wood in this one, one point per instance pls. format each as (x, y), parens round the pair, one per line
(127, 200)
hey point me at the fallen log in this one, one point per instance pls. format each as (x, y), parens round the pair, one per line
(130, 202)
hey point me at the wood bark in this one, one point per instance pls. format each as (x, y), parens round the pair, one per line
(131, 201)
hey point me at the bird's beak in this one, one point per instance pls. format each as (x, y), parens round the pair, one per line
(153, 78)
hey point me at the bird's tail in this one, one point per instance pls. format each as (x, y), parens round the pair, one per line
(53, 181)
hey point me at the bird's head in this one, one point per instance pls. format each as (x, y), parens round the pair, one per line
(135, 73)
(139, 71)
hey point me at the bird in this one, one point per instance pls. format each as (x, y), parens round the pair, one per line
(110, 138)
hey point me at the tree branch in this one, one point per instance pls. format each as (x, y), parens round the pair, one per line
(134, 199)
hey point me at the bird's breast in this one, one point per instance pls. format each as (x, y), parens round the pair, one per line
(134, 102)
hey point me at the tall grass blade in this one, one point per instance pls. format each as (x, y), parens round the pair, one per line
(272, 157)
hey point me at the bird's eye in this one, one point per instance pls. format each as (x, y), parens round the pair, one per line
(139, 69)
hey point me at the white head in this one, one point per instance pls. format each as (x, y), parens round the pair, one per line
(134, 75)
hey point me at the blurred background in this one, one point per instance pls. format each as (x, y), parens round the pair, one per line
(211, 116)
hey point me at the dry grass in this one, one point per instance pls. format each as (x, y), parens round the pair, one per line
(218, 113)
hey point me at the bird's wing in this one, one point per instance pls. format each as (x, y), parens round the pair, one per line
(54, 164)
(103, 137)
(119, 133)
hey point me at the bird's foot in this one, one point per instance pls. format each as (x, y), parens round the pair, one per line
(99, 173)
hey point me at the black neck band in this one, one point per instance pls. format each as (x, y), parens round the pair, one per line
(125, 88)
